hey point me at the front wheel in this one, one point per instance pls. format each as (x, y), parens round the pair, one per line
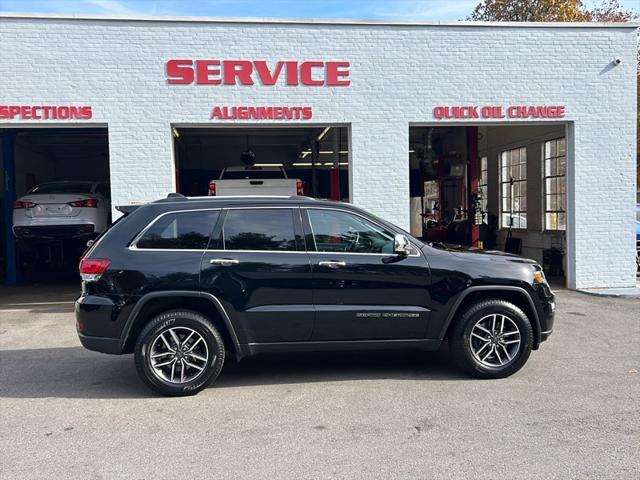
(491, 339)
(179, 353)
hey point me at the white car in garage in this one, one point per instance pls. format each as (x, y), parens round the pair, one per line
(62, 210)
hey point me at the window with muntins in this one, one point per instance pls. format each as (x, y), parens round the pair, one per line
(483, 183)
(513, 188)
(555, 185)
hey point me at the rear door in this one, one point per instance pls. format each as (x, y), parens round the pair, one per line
(258, 267)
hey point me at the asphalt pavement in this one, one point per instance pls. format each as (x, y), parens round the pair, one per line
(571, 413)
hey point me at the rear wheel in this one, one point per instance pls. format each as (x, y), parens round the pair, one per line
(491, 339)
(179, 353)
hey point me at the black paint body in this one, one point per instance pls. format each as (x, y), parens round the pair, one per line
(274, 301)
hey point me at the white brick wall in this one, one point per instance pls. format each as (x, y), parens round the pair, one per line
(398, 73)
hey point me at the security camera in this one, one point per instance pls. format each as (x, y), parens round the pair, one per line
(617, 61)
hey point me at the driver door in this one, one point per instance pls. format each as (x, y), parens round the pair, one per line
(361, 289)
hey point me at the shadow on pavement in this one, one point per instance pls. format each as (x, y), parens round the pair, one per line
(74, 372)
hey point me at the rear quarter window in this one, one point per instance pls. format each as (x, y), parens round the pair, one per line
(179, 231)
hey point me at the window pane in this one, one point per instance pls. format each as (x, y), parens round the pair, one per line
(335, 231)
(183, 230)
(562, 221)
(259, 229)
(562, 165)
(562, 146)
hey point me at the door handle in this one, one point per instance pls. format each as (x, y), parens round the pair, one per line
(225, 262)
(332, 263)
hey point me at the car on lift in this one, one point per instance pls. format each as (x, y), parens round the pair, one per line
(185, 283)
(255, 180)
(62, 210)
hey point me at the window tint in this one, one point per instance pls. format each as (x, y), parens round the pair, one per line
(336, 231)
(259, 229)
(180, 230)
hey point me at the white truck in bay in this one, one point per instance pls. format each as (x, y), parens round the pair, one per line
(250, 180)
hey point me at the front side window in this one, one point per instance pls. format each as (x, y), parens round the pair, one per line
(513, 188)
(337, 231)
(259, 229)
(555, 172)
(180, 231)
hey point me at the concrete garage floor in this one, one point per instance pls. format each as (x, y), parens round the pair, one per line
(571, 413)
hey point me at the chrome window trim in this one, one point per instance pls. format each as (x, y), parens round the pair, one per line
(133, 245)
(416, 249)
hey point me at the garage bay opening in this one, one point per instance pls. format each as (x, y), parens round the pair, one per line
(283, 160)
(55, 195)
(493, 187)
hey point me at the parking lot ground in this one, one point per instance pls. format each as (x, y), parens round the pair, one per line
(572, 412)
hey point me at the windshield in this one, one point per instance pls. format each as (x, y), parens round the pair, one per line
(252, 174)
(67, 187)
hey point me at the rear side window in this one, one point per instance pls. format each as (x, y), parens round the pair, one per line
(180, 231)
(259, 229)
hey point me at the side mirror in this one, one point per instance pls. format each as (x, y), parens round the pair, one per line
(401, 245)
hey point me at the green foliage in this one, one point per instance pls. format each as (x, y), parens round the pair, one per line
(550, 11)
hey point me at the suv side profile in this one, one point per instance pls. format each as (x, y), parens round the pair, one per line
(185, 283)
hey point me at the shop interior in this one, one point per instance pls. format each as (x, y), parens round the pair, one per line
(494, 187)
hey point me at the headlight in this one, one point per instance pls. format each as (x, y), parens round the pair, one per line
(538, 277)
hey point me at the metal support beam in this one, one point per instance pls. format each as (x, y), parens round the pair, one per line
(9, 167)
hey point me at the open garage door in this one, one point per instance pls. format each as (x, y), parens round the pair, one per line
(55, 197)
(313, 161)
(493, 186)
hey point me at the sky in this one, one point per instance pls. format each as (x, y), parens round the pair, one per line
(337, 9)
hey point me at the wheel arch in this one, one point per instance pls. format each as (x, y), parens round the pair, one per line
(516, 295)
(152, 304)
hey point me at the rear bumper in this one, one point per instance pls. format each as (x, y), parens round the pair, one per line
(35, 232)
(95, 324)
(100, 344)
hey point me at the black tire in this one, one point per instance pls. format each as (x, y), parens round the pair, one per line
(460, 336)
(177, 319)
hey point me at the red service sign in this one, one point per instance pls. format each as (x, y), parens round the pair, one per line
(448, 112)
(249, 72)
(241, 112)
(45, 112)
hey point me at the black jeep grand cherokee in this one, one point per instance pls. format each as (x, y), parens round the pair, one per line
(185, 282)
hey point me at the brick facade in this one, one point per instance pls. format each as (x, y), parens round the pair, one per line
(398, 72)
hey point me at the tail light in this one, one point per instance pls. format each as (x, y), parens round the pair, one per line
(91, 269)
(212, 189)
(300, 187)
(89, 202)
(17, 205)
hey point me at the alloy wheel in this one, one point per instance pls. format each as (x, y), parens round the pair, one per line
(495, 340)
(178, 355)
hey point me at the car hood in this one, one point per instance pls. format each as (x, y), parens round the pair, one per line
(474, 253)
